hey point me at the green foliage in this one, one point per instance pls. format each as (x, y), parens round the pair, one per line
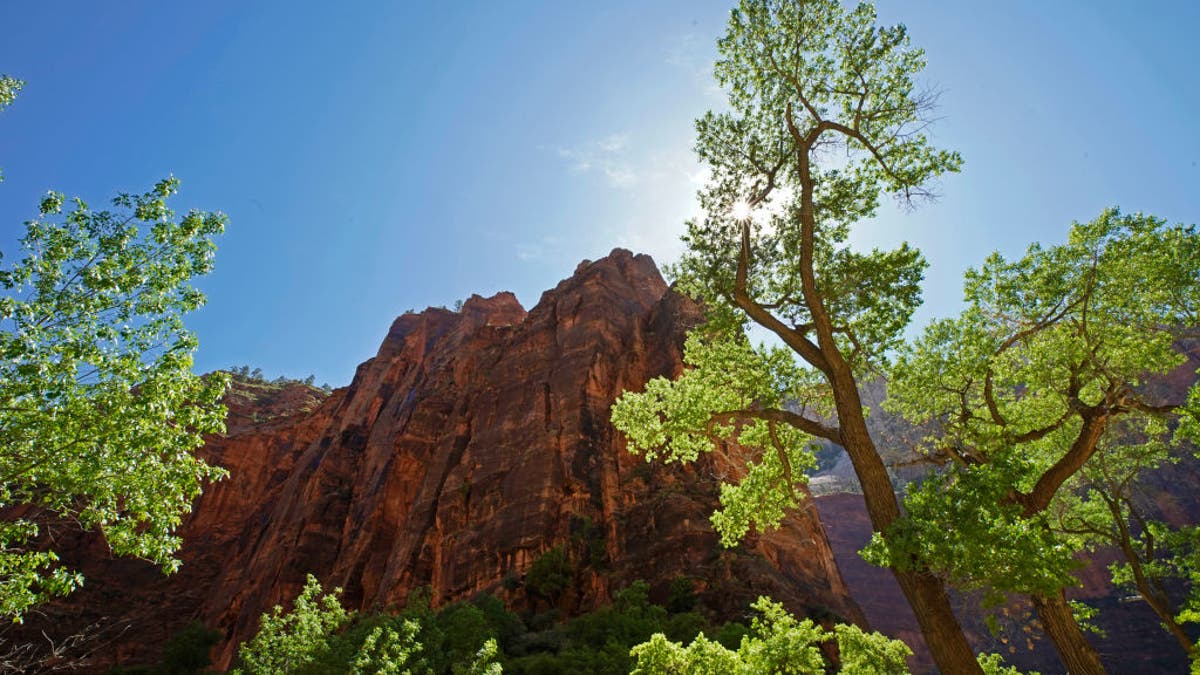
(1034, 397)
(660, 656)
(481, 637)
(685, 625)
(824, 118)
(630, 619)
(256, 375)
(550, 574)
(28, 577)
(188, 650)
(961, 526)
(725, 395)
(1189, 422)
(462, 629)
(869, 653)
(1085, 616)
(1045, 337)
(99, 409)
(286, 642)
(484, 662)
(993, 664)
(1178, 558)
(599, 642)
(730, 635)
(318, 636)
(388, 652)
(9, 87)
(776, 643)
(505, 626)
(824, 115)
(681, 597)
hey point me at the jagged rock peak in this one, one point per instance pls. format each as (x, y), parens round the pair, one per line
(619, 258)
(500, 309)
(632, 281)
(621, 279)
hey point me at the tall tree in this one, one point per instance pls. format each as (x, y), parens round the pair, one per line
(1035, 402)
(824, 118)
(99, 410)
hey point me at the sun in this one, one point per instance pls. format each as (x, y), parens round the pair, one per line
(741, 210)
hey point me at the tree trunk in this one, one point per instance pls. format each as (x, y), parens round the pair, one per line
(1155, 596)
(925, 593)
(943, 634)
(1157, 602)
(1075, 652)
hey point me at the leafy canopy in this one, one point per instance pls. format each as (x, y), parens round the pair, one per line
(319, 636)
(777, 643)
(287, 641)
(99, 410)
(735, 393)
(1109, 508)
(825, 116)
(1181, 560)
(1038, 382)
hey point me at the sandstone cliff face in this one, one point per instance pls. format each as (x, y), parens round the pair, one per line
(471, 444)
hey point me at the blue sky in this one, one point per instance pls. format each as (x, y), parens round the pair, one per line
(376, 157)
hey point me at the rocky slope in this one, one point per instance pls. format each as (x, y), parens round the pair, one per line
(471, 444)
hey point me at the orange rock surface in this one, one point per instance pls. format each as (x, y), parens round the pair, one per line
(472, 443)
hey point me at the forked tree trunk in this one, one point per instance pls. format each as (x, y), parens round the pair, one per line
(1075, 652)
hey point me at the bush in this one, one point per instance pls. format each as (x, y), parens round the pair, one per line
(188, 651)
(286, 642)
(682, 595)
(550, 574)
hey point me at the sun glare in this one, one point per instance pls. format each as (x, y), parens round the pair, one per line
(741, 209)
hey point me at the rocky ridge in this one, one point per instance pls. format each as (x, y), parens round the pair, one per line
(471, 444)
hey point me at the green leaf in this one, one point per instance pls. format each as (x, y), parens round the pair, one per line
(100, 413)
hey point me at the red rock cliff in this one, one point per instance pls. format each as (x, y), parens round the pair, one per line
(473, 442)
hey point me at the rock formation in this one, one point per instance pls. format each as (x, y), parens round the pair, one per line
(471, 444)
